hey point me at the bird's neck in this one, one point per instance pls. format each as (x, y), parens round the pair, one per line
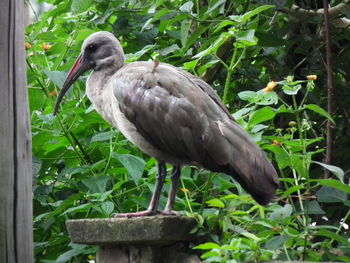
(98, 85)
(99, 80)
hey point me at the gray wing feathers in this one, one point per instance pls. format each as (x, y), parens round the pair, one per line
(182, 116)
(252, 169)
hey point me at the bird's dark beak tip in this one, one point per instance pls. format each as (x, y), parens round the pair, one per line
(56, 110)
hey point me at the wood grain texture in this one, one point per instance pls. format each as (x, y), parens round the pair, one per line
(16, 238)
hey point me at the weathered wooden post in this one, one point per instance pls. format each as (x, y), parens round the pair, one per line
(16, 238)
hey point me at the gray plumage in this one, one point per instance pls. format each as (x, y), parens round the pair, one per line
(173, 116)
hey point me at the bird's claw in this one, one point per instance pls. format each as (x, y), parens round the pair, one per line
(169, 213)
(148, 213)
(137, 214)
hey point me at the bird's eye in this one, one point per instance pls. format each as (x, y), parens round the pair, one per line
(91, 47)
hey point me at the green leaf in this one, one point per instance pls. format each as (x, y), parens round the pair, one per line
(291, 90)
(320, 111)
(264, 114)
(103, 136)
(79, 208)
(57, 77)
(281, 212)
(80, 6)
(96, 184)
(238, 114)
(186, 7)
(276, 242)
(332, 235)
(133, 164)
(67, 256)
(313, 208)
(333, 183)
(258, 128)
(215, 5)
(338, 172)
(36, 165)
(208, 245)
(46, 36)
(245, 233)
(191, 65)
(213, 255)
(213, 47)
(185, 27)
(267, 98)
(169, 50)
(246, 37)
(291, 190)
(330, 195)
(216, 203)
(282, 157)
(37, 99)
(247, 16)
(137, 55)
(84, 33)
(248, 95)
(107, 207)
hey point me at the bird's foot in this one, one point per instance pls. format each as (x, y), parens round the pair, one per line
(169, 213)
(137, 214)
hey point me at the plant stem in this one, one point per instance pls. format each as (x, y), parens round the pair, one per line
(330, 89)
(305, 172)
(229, 74)
(111, 151)
(186, 197)
(205, 195)
(286, 252)
(340, 227)
(299, 197)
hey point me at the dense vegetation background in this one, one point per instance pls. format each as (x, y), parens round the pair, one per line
(84, 168)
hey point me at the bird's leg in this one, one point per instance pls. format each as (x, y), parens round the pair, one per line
(153, 205)
(175, 178)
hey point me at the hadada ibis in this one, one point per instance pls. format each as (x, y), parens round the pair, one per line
(172, 116)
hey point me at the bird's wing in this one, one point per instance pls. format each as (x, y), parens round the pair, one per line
(207, 89)
(184, 118)
(168, 109)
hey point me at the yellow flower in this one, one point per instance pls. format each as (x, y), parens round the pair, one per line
(292, 123)
(275, 143)
(45, 47)
(270, 86)
(27, 45)
(185, 190)
(311, 77)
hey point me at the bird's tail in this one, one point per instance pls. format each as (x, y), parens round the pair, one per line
(232, 151)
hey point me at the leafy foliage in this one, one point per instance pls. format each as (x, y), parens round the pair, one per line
(83, 168)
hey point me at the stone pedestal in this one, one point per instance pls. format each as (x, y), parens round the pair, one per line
(156, 239)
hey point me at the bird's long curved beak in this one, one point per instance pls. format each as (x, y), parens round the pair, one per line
(78, 69)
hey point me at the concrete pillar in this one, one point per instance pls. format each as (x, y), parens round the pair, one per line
(156, 239)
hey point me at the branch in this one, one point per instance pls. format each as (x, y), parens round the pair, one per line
(334, 12)
(330, 88)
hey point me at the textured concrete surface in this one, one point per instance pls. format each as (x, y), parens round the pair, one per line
(155, 230)
(178, 253)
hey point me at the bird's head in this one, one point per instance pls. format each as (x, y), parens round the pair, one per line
(100, 51)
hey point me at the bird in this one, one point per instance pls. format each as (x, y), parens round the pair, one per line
(170, 115)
